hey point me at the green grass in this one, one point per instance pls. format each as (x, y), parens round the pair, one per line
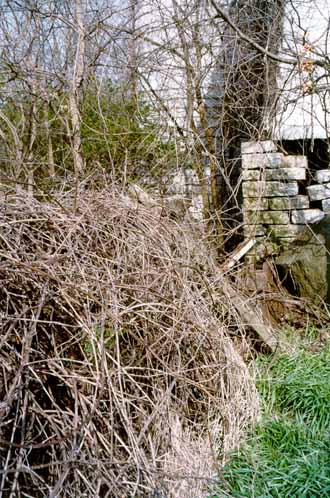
(288, 454)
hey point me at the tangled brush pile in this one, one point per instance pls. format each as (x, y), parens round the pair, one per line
(118, 374)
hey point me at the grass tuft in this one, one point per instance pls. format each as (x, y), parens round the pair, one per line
(288, 454)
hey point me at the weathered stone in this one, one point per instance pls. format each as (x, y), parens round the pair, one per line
(322, 235)
(319, 192)
(286, 241)
(275, 174)
(269, 189)
(266, 217)
(261, 161)
(252, 174)
(298, 202)
(283, 231)
(258, 147)
(254, 231)
(308, 267)
(279, 203)
(264, 248)
(323, 176)
(286, 174)
(256, 280)
(326, 206)
(304, 216)
(279, 189)
(295, 162)
(254, 203)
(253, 189)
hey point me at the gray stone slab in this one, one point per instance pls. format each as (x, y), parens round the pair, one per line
(266, 217)
(308, 267)
(255, 203)
(280, 203)
(254, 231)
(269, 189)
(286, 241)
(262, 161)
(318, 192)
(288, 230)
(295, 162)
(258, 147)
(326, 206)
(264, 248)
(286, 174)
(270, 174)
(323, 176)
(252, 174)
(299, 202)
(305, 216)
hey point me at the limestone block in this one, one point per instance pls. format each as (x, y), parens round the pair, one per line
(275, 174)
(326, 206)
(258, 147)
(269, 189)
(254, 231)
(176, 205)
(295, 162)
(261, 161)
(264, 248)
(319, 192)
(255, 203)
(323, 176)
(252, 174)
(304, 216)
(283, 231)
(308, 267)
(285, 242)
(266, 217)
(298, 202)
(286, 174)
(253, 189)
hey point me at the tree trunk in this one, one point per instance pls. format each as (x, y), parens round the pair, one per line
(74, 98)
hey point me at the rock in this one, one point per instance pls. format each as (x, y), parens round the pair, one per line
(298, 202)
(326, 206)
(264, 248)
(254, 231)
(255, 203)
(295, 162)
(318, 192)
(266, 217)
(323, 176)
(308, 268)
(305, 216)
(275, 174)
(269, 189)
(261, 161)
(258, 147)
(138, 194)
(176, 206)
(284, 231)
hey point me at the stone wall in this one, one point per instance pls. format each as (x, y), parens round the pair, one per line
(279, 196)
(274, 208)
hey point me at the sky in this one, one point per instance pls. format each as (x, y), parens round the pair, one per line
(305, 103)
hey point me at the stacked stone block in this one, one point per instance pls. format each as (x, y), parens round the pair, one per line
(321, 191)
(273, 209)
